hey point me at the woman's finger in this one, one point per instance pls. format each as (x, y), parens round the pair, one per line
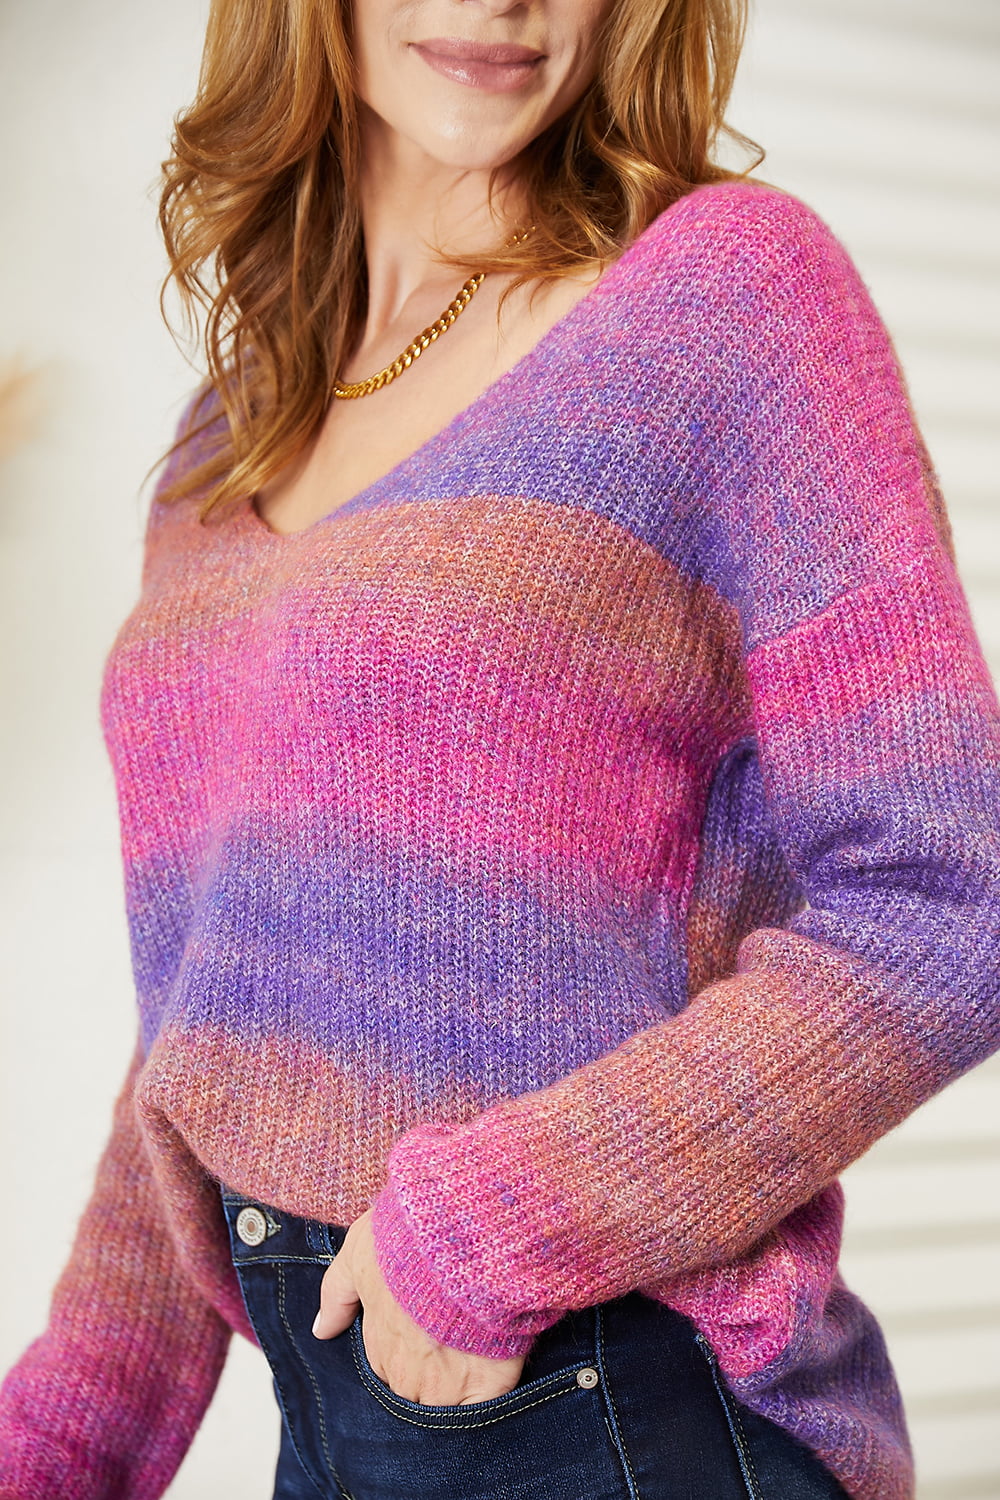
(339, 1294)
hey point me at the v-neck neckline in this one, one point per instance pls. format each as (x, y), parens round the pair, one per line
(368, 497)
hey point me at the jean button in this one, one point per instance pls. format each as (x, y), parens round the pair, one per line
(587, 1378)
(251, 1226)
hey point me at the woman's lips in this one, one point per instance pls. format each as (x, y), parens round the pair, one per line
(499, 67)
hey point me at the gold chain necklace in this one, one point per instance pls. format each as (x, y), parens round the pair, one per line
(350, 390)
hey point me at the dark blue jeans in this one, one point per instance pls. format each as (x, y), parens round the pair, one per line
(622, 1401)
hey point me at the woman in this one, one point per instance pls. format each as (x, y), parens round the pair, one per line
(557, 774)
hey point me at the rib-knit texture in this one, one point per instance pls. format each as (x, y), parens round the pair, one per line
(581, 846)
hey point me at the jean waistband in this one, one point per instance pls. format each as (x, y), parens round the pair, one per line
(260, 1232)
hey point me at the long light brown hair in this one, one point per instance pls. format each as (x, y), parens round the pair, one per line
(260, 214)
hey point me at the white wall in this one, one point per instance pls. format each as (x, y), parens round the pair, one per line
(883, 114)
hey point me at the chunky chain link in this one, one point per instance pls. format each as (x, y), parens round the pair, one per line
(350, 390)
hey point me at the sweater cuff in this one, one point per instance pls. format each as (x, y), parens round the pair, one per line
(413, 1280)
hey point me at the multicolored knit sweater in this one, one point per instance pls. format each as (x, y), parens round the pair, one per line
(581, 846)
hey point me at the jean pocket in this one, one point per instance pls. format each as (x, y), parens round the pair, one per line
(576, 1374)
(546, 1439)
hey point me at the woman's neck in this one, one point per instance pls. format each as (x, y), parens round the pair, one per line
(410, 205)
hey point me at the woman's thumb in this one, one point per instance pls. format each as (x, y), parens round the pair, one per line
(338, 1300)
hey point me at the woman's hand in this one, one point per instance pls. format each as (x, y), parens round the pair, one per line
(410, 1362)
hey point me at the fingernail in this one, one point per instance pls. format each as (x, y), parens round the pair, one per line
(316, 1323)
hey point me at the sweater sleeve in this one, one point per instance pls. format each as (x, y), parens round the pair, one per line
(877, 732)
(106, 1402)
